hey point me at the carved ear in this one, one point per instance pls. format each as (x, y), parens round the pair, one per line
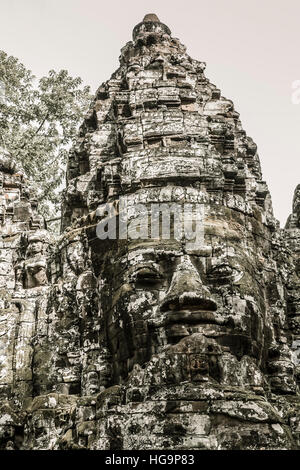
(281, 369)
(292, 237)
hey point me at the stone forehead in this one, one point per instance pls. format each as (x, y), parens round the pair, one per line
(155, 250)
(178, 138)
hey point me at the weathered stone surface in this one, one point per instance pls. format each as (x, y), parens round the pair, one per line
(151, 343)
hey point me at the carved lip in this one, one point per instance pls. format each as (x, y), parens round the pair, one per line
(186, 302)
(190, 317)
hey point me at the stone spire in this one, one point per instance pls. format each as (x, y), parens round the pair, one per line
(151, 18)
(159, 104)
(150, 25)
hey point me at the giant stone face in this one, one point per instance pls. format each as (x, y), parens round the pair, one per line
(212, 305)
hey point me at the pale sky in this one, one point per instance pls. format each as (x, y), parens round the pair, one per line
(251, 48)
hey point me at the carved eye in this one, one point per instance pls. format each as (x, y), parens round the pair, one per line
(146, 278)
(222, 270)
(224, 273)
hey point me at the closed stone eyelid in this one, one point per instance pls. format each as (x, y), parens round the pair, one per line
(235, 273)
(147, 270)
(219, 267)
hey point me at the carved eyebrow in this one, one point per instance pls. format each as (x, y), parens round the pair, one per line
(150, 258)
(146, 270)
(155, 252)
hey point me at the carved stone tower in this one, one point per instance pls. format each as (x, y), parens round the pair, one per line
(143, 342)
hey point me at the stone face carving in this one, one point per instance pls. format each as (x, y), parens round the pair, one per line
(138, 342)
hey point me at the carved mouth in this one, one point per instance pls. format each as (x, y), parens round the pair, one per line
(184, 323)
(190, 317)
(186, 302)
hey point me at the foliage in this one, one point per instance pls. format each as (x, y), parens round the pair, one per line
(38, 124)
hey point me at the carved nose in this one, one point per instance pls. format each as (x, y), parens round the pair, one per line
(187, 291)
